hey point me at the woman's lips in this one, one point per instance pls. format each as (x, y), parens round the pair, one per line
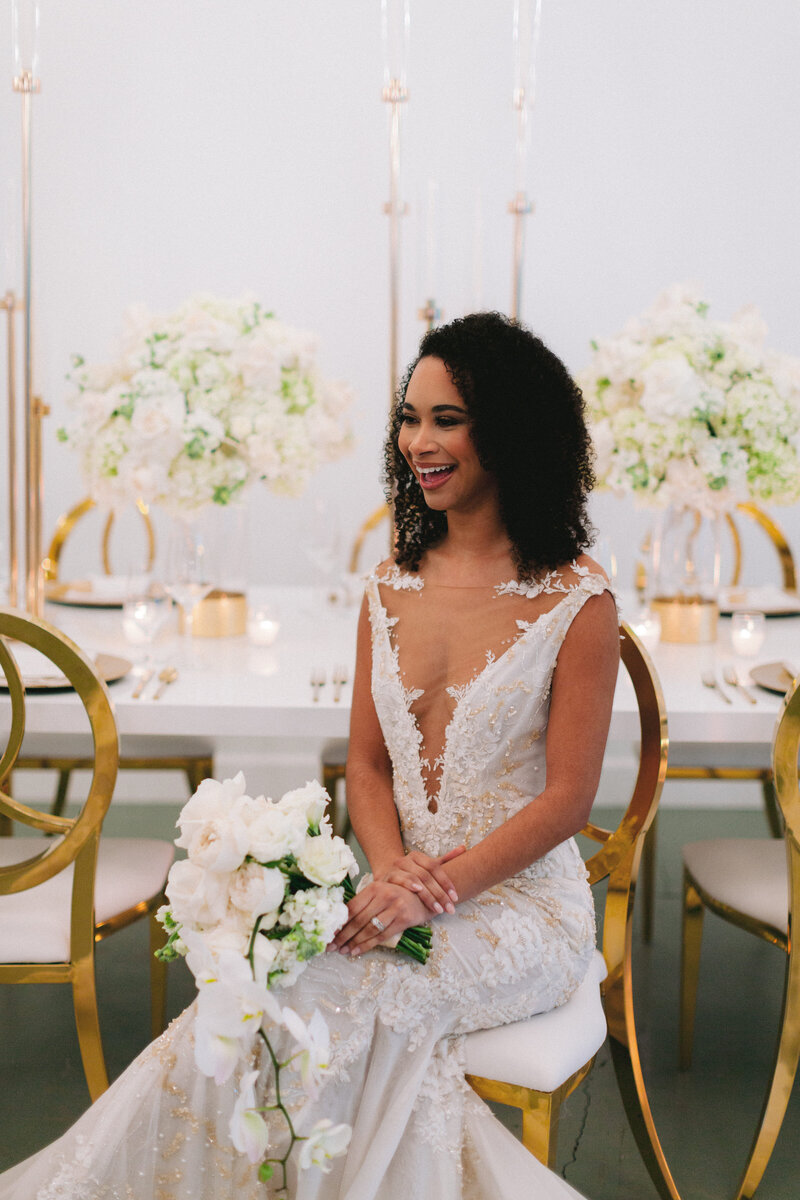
(431, 478)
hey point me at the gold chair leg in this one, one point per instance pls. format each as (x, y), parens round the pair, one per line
(540, 1127)
(771, 807)
(197, 771)
(158, 980)
(647, 881)
(628, 1069)
(332, 773)
(84, 997)
(691, 940)
(60, 801)
(787, 1055)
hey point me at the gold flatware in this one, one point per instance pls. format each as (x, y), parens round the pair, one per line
(317, 682)
(339, 680)
(144, 679)
(730, 676)
(166, 677)
(709, 681)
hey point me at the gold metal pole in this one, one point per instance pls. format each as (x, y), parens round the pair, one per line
(11, 304)
(519, 208)
(396, 95)
(430, 313)
(26, 85)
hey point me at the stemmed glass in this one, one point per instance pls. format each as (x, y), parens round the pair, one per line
(187, 574)
(144, 615)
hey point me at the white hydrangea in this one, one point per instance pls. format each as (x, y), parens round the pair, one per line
(692, 412)
(201, 402)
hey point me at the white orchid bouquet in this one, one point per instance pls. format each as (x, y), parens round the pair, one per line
(200, 402)
(694, 413)
(259, 894)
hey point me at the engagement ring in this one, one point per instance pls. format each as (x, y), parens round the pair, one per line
(378, 923)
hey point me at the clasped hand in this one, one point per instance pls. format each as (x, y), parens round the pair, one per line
(405, 893)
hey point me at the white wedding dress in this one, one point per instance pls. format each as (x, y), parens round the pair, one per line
(461, 680)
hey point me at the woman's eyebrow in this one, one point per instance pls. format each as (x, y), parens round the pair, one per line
(437, 407)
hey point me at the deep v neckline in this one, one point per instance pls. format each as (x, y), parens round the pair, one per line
(458, 692)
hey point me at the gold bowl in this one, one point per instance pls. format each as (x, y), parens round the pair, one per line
(688, 619)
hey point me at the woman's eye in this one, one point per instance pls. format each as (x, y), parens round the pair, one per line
(407, 419)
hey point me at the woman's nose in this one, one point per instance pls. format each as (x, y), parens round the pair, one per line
(422, 439)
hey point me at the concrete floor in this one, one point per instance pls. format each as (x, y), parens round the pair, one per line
(705, 1117)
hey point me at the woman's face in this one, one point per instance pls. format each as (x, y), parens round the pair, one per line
(436, 441)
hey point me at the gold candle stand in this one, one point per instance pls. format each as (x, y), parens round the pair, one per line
(26, 86)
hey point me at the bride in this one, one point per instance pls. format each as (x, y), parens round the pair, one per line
(487, 657)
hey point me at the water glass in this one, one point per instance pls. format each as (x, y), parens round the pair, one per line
(748, 631)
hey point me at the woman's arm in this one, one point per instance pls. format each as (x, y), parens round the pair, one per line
(370, 802)
(580, 713)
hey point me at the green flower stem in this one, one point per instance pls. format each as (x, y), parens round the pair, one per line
(278, 1106)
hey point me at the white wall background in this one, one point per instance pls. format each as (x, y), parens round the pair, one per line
(242, 145)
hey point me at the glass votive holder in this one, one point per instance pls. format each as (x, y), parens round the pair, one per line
(263, 626)
(748, 631)
(646, 624)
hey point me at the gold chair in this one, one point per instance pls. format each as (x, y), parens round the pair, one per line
(534, 1065)
(755, 884)
(196, 767)
(719, 770)
(60, 895)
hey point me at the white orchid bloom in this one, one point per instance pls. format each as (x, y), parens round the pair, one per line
(248, 1129)
(315, 1047)
(326, 1141)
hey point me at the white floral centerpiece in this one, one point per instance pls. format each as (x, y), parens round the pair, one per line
(690, 412)
(202, 401)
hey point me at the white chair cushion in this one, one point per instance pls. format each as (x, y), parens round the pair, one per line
(34, 925)
(543, 1052)
(748, 874)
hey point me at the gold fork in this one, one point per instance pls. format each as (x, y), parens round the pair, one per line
(339, 680)
(166, 677)
(317, 682)
(710, 682)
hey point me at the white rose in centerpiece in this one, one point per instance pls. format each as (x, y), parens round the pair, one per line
(326, 859)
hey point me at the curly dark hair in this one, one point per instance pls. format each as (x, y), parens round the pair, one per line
(529, 431)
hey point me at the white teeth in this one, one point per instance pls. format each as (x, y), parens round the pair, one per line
(433, 470)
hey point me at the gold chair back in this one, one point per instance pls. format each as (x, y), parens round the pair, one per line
(375, 519)
(80, 833)
(66, 524)
(775, 534)
(785, 751)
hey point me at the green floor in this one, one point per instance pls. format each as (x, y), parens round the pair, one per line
(705, 1117)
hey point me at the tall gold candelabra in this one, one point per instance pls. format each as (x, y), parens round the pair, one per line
(396, 95)
(26, 85)
(527, 20)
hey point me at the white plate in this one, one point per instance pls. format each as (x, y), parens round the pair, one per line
(40, 675)
(773, 677)
(772, 601)
(97, 591)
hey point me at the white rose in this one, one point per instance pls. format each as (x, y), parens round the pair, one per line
(325, 859)
(275, 833)
(310, 802)
(671, 388)
(231, 935)
(257, 890)
(197, 897)
(158, 417)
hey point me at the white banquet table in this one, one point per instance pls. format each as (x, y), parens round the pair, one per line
(237, 691)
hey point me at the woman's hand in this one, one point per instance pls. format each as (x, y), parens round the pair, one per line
(392, 905)
(424, 875)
